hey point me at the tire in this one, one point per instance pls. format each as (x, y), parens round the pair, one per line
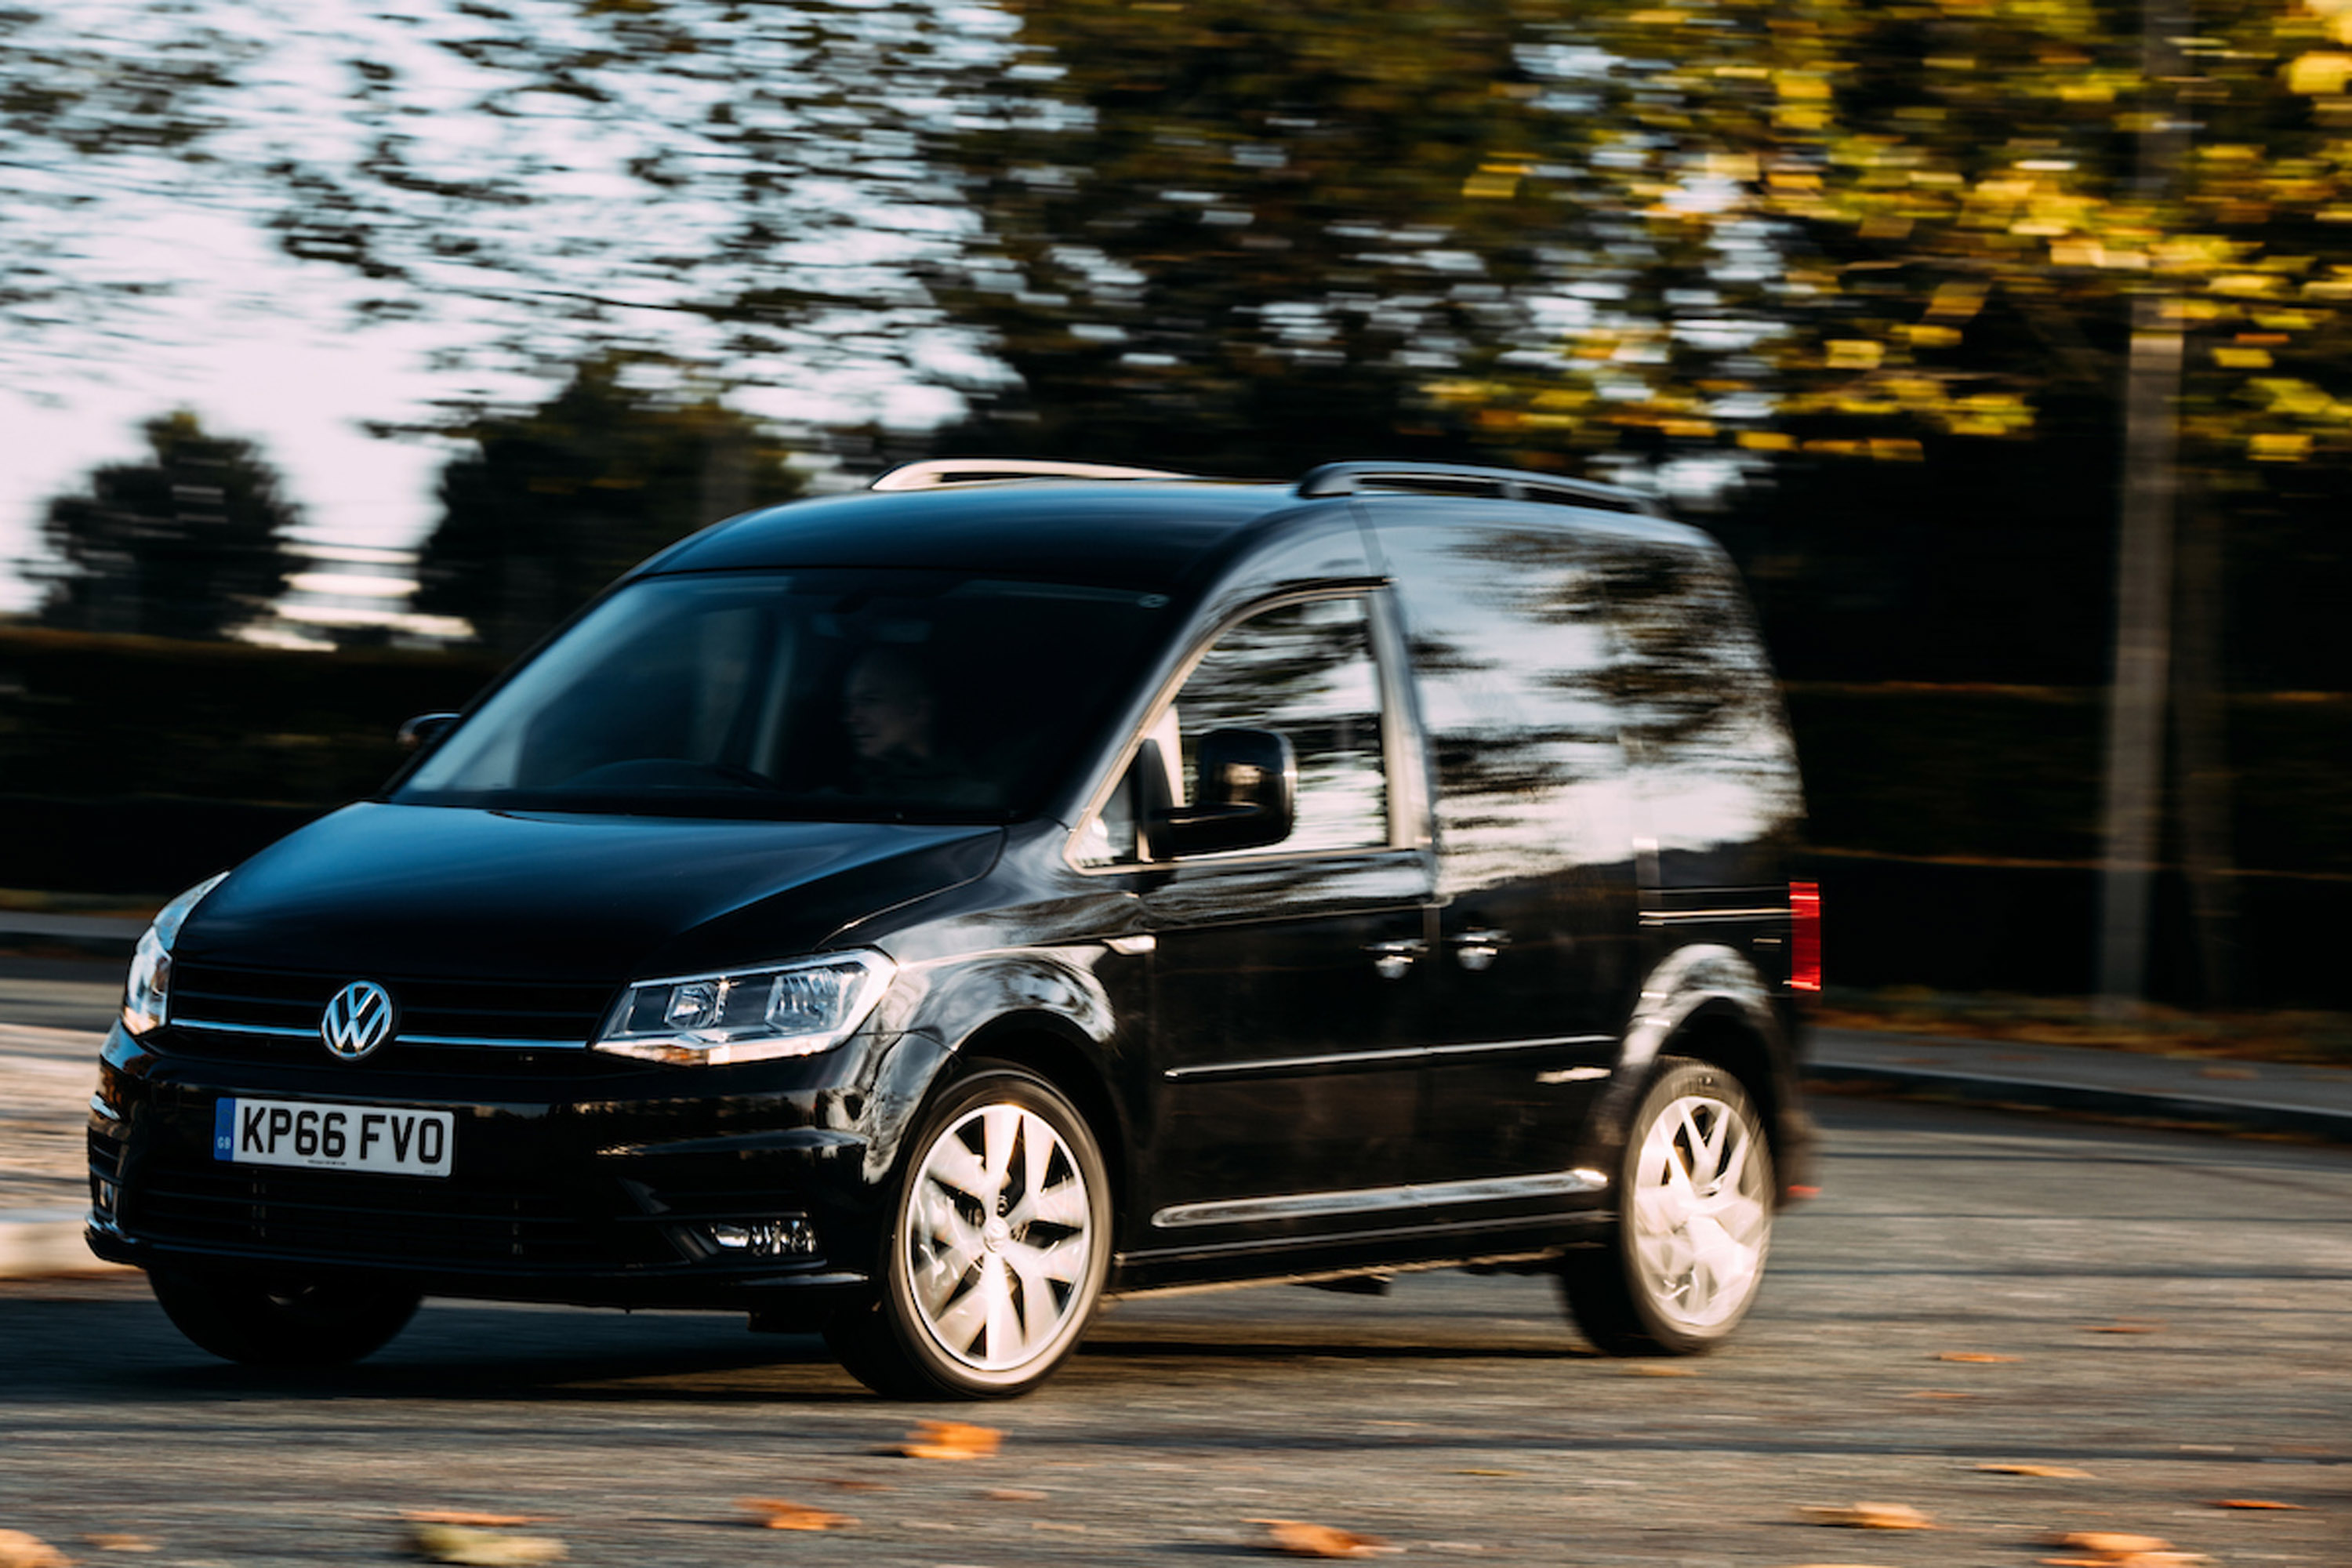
(998, 1246)
(1695, 1199)
(265, 1322)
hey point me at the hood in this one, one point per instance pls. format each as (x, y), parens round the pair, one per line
(456, 892)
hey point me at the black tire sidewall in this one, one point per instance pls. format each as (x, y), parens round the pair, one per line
(243, 1318)
(922, 1355)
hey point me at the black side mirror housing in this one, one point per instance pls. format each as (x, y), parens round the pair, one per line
(1245, 796)
(424, 730)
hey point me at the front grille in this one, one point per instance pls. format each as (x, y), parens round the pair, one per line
(273, 1010)
(355, 1217)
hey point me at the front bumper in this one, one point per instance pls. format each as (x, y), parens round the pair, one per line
(590, 1180)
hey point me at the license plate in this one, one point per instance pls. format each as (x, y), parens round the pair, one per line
(333, 1137)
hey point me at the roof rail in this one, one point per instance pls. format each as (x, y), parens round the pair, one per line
(936, 472)
(1455, 479)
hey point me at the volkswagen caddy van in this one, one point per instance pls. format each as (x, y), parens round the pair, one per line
(915, 916)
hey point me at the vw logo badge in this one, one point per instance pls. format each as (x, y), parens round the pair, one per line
(358, 1020)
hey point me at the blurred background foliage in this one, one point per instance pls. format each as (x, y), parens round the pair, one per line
(1855, 284)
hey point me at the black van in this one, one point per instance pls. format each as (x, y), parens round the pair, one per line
(916, 915)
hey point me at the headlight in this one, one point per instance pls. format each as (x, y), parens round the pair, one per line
(145, 995)
(747, 1014)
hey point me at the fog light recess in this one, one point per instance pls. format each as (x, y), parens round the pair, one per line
(786, 1235)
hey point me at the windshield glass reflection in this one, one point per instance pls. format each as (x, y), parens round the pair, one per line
(916, 695)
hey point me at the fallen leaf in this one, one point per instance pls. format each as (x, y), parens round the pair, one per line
(1980, 1356)
(2255, 1502)
(2134, 1559)
(1013, 1494)
(1871, 1516)
(481, 1548)
(122, 1542)
(1303, 1540)
(950, 1440)
(469, 1517)
(1659, 1369)
(777, 1514)
(2122, 1328)
(2056, 1472)
(18, 1550)
(2109, 1543)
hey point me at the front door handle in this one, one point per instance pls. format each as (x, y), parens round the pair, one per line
(1477, 950)
(1391, 960)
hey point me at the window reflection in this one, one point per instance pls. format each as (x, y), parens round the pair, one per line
(1306, 672)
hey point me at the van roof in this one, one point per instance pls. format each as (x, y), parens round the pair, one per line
(1049, 523)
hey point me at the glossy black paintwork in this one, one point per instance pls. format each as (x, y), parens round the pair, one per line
(1226, 1025)
(1112, 535)
(379, 888)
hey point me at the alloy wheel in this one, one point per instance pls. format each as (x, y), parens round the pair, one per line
(999, 1238)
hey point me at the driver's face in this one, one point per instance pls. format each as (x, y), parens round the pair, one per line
(886, 712)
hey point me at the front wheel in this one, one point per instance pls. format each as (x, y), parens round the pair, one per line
(265, 1322)
(1694, 1197)
(998, 1247)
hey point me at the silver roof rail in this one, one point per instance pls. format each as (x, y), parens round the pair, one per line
(1455, 479)
(937, 472)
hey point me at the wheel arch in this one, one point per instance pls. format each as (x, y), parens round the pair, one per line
(1707, 1002)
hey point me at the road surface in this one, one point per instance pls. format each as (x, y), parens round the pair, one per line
(2169, 1315)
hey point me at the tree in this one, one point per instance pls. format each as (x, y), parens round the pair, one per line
(188, 544)
(558, 500)
(1249, 238)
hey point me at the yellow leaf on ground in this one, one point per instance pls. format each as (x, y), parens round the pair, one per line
(473, 1548)
(1303, 1540)
(950, 1440)
(1982, 1356)
(2109, 1544)
(1660, 1369)
(469, 1517)
(18, 1550)
(1013, 1494)
(1871, 1516)
(2255, 1502)
(778, 1514)
(2056, 1472)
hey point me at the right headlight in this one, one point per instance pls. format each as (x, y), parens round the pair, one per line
(795, 1009)
(147, 994)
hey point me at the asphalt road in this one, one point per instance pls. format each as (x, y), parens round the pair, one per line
(1458, 1417)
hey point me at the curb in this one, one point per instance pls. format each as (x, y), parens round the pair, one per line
(45, 1244)
(2193, 1112)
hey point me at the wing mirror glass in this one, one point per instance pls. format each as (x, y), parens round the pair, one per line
(1244, 797)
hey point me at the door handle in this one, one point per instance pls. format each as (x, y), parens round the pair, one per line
(1391, 960)
(1477, 950)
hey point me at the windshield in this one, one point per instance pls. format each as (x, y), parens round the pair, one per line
(883, 695)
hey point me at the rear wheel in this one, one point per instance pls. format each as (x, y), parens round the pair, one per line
(272, 1322)
(999, 1244)
(1694, 1197)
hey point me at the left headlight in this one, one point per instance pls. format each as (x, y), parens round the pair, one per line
(747, 1014)
(146, 995)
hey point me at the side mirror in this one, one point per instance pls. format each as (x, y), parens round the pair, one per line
(424, 730)
(1245, 797)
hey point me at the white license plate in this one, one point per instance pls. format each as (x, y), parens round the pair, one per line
(333, 1137)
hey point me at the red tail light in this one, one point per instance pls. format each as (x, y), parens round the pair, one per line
(1804, 936)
